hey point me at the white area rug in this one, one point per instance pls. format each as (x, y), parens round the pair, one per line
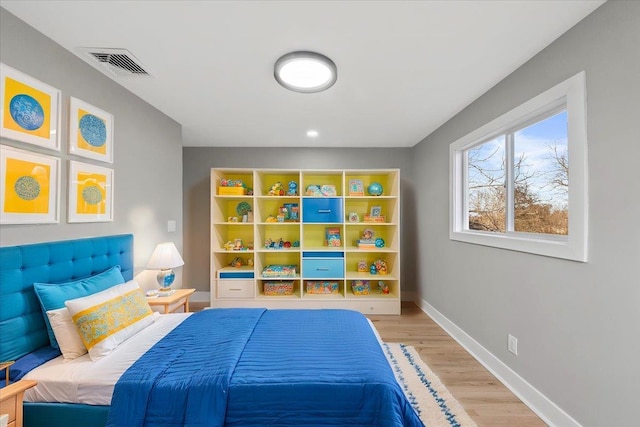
(432, 401)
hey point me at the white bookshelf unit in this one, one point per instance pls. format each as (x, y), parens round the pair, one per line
(317, 227)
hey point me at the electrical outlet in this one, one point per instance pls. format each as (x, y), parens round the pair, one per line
(171, 226)
(513, 344)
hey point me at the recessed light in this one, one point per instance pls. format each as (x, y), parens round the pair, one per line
(312, 133)
(305, 72)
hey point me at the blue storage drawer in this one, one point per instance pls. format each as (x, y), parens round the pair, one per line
(235, 274)
(323, 268)
(322, 209)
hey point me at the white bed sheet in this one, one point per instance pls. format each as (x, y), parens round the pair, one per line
(82, 380)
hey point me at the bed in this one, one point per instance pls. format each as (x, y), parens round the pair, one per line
(218, 367)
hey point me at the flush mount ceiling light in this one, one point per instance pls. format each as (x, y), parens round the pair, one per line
(305, 72)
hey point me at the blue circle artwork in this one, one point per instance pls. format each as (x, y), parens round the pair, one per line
(26, 111)
(375, 189)
(92, 195)
(27, 188)
(93, 130)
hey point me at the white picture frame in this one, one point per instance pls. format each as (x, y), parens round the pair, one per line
(29, 187)
(90, 197)
(29, 109)
(90, 131)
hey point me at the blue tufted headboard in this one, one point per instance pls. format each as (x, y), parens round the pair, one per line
(22, 327)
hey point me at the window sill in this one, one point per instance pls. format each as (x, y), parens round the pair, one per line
(551, 246)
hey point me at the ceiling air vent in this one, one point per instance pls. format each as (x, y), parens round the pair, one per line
(119, 62)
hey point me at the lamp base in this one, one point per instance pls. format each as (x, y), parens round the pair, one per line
(166, 293)
(165, 279)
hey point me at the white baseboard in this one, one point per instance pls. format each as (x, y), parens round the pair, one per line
(548, 411)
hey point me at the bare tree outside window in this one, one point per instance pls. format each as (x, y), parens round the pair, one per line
(540, 173)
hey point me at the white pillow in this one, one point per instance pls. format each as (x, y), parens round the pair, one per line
(66, 333)
(106, 319)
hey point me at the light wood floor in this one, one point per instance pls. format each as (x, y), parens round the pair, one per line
(486, 400)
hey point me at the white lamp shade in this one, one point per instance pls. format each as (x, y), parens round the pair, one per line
(165, 256)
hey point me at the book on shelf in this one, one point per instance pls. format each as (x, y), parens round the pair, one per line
(366, 244)
(332, 235)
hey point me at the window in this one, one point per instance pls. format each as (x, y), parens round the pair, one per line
(520, 182)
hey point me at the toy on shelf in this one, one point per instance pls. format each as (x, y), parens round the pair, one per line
(362, 266)
(380, 266)
(366, 241)
(233, 187)
(273, 244)
(271, 218)
(380, 242)
(328, 190)
(282, 214)
(293, 189)
(276, 189)
(383, 288)
(375, 189)
(235, 245)
(236, 262)
(250, 262)
(354, 217)
(243, 208)
(313, 190)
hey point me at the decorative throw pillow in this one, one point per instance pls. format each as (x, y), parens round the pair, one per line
(53, 295)
(66, 333)
(106, 319)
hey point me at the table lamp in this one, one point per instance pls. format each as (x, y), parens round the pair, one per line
(165, 257)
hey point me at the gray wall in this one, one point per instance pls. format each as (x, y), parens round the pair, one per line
(148, 148)
(577, 324)
(197, 172)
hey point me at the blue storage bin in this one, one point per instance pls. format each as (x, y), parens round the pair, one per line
(323, 268)
(322, 209)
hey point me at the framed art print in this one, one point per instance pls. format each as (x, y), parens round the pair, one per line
(90, 131)
(29, 187)
(90, 193)
(376, 211)
(30, 109)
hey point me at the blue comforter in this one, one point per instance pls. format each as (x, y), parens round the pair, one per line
(255, 367)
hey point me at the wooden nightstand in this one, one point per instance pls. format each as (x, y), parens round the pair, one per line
(11, 400)
(171, 303)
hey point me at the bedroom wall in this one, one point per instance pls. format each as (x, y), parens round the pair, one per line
(147, 151)
(576, 323)
(197, 172)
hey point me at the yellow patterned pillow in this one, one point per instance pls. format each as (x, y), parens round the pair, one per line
(106, 319)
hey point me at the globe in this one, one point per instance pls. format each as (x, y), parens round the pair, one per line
(375, 189)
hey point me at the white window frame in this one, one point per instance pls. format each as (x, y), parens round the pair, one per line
(572, 94)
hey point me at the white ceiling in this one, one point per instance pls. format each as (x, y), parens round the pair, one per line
(404, 67)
